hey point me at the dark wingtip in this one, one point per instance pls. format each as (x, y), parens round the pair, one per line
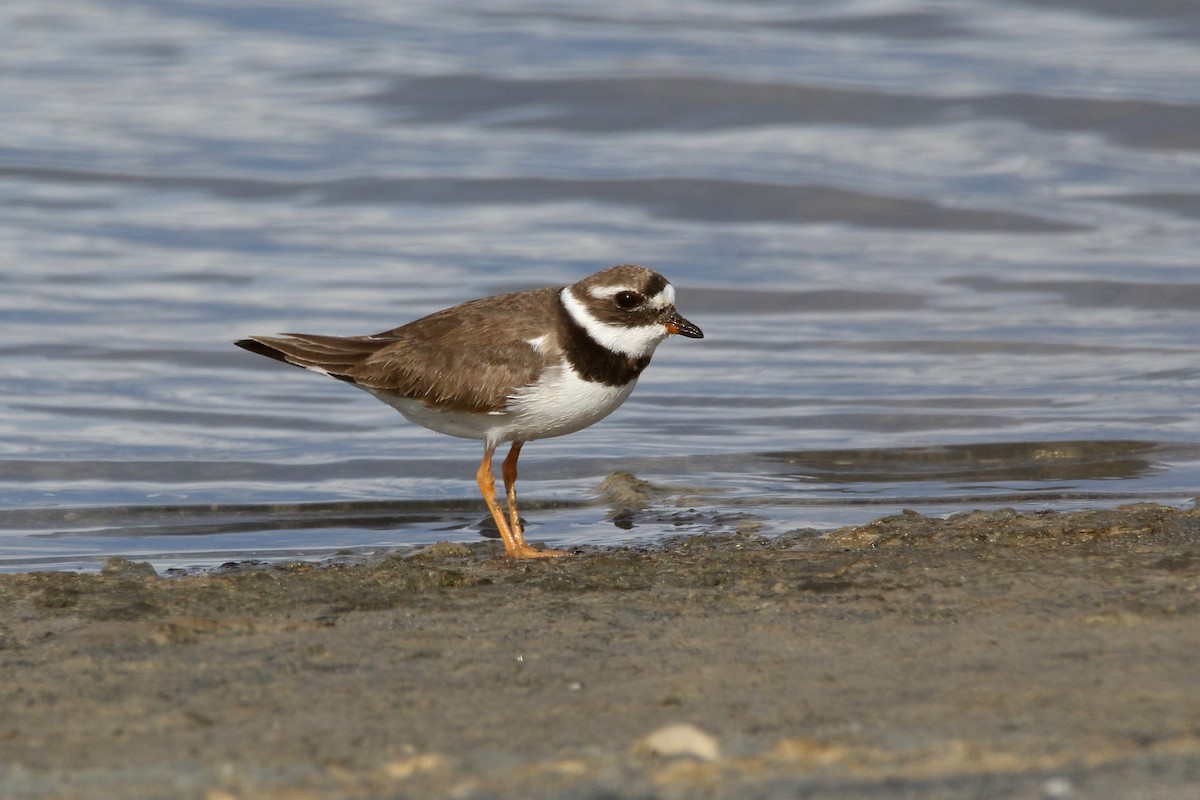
(270, 351)
(255, 346)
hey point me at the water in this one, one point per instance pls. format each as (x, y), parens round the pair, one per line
(944, 254)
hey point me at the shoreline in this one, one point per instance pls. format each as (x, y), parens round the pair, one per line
(1031, 654)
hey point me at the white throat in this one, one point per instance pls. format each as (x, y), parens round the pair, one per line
(636, 342)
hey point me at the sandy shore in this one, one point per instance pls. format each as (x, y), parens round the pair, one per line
(990, 655)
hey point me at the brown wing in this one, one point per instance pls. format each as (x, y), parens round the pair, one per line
(466, 358)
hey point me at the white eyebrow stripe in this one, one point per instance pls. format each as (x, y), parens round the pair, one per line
(600, 292)
(664, 298)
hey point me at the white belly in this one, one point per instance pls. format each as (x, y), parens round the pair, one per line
(560, 403)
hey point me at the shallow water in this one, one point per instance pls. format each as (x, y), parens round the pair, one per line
(944, 256)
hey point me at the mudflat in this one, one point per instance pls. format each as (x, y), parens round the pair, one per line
(991, 654)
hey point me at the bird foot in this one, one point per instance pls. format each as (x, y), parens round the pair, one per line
(525, 551)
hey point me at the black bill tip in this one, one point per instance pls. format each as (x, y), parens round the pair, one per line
(677, 324)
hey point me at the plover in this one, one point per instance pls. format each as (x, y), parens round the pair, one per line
(509, 368)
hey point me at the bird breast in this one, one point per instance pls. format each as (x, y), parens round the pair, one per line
(561, 402)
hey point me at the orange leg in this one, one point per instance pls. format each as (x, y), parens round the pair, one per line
(514, 538)
(510, 489)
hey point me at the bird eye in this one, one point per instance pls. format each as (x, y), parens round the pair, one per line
(627, 301)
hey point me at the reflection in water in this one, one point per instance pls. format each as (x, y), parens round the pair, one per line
(676, 103)
(1100, 294)
(1066, 461)
(217, 519)
(694, 199)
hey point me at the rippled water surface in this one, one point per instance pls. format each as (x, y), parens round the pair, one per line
(944, 254)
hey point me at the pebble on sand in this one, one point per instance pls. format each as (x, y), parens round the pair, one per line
(679, 740)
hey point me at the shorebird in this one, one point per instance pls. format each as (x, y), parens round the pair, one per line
(509, 368)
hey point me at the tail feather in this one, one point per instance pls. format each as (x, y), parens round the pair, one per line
(332, 355)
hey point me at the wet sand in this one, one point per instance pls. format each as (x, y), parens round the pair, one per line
(989, 655)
